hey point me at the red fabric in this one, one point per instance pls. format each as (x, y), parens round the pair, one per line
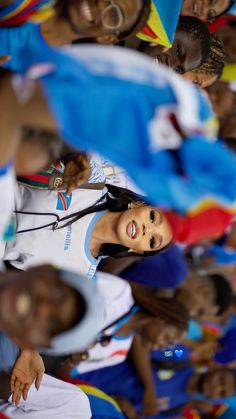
(209, 224)
(2, 416)
(221, 21)
(149, 32)
(23, 16)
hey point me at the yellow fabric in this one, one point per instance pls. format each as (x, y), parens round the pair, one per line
(94, 391)
(155, 24)
(44, 13)
(229, 73)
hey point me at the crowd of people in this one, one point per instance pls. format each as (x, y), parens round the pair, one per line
(117, 227)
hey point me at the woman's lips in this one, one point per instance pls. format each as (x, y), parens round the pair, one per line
(132, 230)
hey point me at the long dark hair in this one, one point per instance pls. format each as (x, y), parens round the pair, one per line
(116, 199)
(167, 309)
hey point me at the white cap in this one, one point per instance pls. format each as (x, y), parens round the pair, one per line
(85, 332)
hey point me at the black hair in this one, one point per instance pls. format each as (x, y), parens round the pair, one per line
(167, 309)
(140, 22)
(230, 143)
(215, 62)
(196, 30)
(115, 200)
(223, 292)
(48, 140)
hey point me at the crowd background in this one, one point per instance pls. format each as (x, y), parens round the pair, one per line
(118, 232)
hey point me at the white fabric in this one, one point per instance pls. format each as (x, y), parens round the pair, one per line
(118, 300)
(7, 185)
(116, 175)
(68, 248)
(55, 399)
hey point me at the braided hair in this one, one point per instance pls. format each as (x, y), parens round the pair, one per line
(214, 64)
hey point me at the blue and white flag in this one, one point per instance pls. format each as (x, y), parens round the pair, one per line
(146, 119)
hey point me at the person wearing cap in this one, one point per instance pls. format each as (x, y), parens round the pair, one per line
(74, 20)
(54, 311)
(128, 315)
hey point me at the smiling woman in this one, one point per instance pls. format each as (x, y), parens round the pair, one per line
(205, 10)
(91, 224)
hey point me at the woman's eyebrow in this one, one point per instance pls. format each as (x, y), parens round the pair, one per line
(160, 216)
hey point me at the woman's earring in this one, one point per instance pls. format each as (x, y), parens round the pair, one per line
(130, 205)
(130, 251)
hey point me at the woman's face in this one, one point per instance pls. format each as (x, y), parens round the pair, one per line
(35, 306)
(95, 18)
(204, 9)
(184, 55)
(159, 335)
(201, 79)
(143, 229)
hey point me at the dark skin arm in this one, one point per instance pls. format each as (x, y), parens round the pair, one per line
(140, 355)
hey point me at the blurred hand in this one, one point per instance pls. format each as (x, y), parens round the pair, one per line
(28, 368)
(4, 59)
(76, 172)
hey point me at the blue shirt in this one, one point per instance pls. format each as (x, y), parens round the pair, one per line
(163, 270)
(8, 353)
(13, 39)
(122, 380)
(228, 351)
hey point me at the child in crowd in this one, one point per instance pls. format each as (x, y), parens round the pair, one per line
(74, 20)
(189, 50)
(211, 70)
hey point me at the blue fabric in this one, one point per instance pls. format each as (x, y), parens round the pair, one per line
(102, 408)
(164, 270)
(120, 92)
(5, 169)
(169, 16)
(194, 330)
(13, 39)
(228, 351)
(160, 355)
(111, 380)
(231, 324)
(222, 254)
(8, 353)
